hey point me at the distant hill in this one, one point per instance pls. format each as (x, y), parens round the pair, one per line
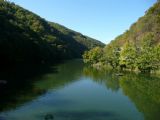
(84, 40)
(26, 38)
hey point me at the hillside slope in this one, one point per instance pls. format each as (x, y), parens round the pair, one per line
(137, 49)
(26, 38)
(148, 24)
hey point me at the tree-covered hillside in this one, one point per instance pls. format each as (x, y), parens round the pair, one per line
(138, 48)
(84, 40)
(26, 38)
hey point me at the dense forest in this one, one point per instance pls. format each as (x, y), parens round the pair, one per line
(27, 39)
(136, 49)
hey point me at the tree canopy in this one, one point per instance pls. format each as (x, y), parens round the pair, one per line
(26, 38)
(137, 48)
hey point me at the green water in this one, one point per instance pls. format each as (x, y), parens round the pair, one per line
(73, 91)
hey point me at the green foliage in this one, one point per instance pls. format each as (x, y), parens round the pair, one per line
(128, 56)
(145, 57)
(111, 55)
(93, 56)
(84, 40)
(138, 47)
(26, 38)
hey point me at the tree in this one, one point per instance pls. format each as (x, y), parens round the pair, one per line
(26, 38)
(156, 58)
(111, 55)
(128, 56)
(93, 56)
(146, 57)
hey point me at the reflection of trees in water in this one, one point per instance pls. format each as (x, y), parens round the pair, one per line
(19, 88)
(27, 85)
(68, 72)
(144, 91)
(106, 77)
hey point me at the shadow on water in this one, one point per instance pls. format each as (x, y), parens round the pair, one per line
(75, 115)
(19, 85)
(26, 84)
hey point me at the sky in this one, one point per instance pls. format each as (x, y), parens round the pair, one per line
(103, 20)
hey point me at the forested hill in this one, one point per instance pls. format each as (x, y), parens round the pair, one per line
(27, 38)
(148, 25)
(84, 40)
(136, 49)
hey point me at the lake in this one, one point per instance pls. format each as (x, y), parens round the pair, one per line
(74, 91)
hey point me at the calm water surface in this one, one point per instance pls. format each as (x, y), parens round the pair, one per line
(76, 92)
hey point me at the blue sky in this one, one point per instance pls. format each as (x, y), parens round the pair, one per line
(100, 19)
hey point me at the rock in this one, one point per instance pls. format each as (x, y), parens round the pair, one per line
(49, 117)
(119, 74)
(3, 82)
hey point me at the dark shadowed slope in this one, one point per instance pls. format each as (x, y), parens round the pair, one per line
(26, 38)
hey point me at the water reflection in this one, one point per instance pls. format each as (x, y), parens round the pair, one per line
(143, 90)
(26, 85)
(63, 115)
(19, 88)
(72, 91)
(67, 73)
(106, 77)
